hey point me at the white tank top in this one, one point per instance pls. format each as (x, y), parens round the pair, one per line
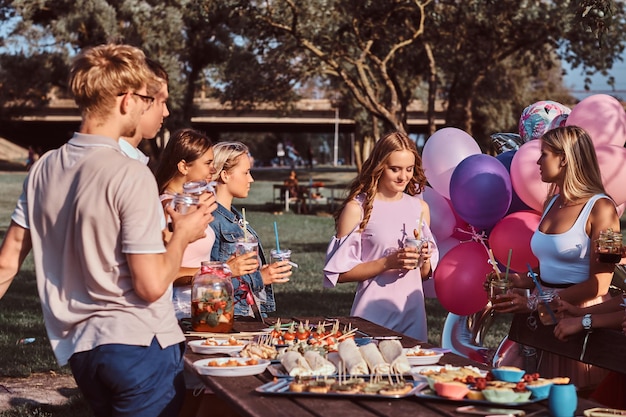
(564, 257)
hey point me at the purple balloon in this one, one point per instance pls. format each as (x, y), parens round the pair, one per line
(481, 190)
(516, 203)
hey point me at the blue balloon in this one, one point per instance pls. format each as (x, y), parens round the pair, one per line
(516, 203)
(481, 190)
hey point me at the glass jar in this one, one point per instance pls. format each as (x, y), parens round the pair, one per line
(609, 246)
(198, 187)
(182, 202)
(547, 303)
(212, 301)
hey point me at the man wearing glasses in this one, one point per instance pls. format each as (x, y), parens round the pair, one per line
(92, 218)
(152, 119)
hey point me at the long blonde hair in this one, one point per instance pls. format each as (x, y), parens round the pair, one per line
(367, 181)
(582, 177)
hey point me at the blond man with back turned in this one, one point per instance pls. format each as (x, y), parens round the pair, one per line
(92, 218)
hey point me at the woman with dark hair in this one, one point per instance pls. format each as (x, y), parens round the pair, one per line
(382, 213)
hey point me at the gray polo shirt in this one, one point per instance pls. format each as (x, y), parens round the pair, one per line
(87, 206)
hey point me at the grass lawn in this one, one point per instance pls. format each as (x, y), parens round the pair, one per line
(306, 235)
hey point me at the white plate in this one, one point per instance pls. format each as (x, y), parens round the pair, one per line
(198, 346)
(240, 370)
(423, 359)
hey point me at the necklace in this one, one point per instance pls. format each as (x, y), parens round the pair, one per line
(571, 204)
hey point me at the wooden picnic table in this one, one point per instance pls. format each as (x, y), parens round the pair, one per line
(240, 395)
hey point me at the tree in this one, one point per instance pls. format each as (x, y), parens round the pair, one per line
(473, 39)
(359, 43)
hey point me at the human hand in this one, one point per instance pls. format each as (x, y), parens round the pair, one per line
(276, 273)
(569, 310)
(567, 327)
(407, 257)
(243, 264)
(510, 302)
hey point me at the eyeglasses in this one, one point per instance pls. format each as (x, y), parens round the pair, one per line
(146, 99)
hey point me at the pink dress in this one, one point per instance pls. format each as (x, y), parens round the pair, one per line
(395, 298)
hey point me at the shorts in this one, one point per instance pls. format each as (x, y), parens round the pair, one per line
(126, 380)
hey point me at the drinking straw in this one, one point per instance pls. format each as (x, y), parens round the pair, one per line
(245, 225)
(494, 263)
(419, 226)
(508, 265)
(276, 234)
(540, 290)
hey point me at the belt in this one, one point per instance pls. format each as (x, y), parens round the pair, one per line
(550, 285)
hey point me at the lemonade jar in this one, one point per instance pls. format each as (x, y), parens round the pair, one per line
(212, 301)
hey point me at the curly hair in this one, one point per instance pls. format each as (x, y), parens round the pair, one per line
(367, 181)
(582, 172)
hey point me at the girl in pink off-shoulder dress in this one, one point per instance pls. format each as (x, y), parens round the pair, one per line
(383, 212)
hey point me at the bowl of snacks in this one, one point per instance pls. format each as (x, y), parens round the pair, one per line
(540, 388)
(508, 373)
(452, 390)
(505, 395)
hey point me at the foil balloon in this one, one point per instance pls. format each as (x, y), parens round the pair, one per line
(504, 142)
(463, 335)
(536, 119)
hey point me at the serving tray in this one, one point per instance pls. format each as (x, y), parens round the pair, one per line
(281, 387)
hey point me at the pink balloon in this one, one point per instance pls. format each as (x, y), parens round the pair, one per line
(514, 232)
(442, 153)
(612, 161)
(603, 117)
(442, 220)
(525, 175)
(459, 278)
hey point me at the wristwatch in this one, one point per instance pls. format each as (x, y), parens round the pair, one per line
(586, 322)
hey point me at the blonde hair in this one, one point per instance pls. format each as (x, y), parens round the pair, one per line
(367, 181)
(582, 177)
(101, 73)
(226, 156)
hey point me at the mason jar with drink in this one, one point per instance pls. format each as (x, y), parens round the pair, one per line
(212, 298)
(547, 304)
(609, 246)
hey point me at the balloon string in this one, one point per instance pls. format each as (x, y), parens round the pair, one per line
(474, 236)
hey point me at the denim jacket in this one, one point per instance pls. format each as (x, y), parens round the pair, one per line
(227, 227)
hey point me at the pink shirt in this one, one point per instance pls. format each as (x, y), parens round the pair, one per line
(395, 298)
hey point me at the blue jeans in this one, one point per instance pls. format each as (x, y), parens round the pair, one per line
(125, 380)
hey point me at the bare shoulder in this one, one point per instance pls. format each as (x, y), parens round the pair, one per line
(349, 218)
(604, 207)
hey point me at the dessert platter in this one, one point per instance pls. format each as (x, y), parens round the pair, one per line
(507, 386)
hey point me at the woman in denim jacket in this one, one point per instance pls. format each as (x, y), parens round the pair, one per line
(253, 286)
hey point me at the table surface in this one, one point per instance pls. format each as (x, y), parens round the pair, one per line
(240, 394)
